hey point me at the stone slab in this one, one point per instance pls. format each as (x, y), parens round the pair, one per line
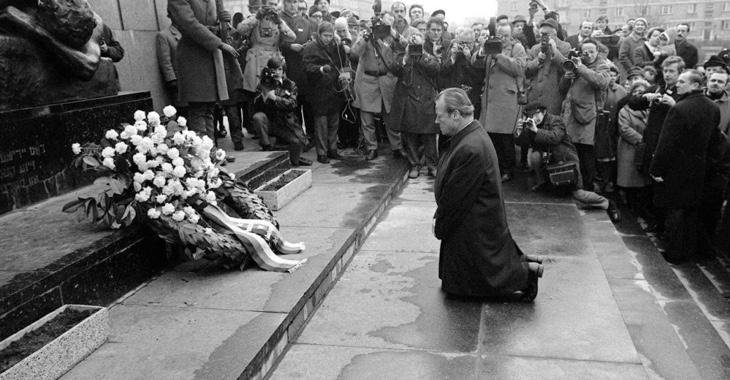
(405, 222)
(549, 230)
(334, 362)
(176, 343)
(139, 15)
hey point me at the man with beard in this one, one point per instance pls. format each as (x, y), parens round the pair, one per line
(679, 164)
(716, 91)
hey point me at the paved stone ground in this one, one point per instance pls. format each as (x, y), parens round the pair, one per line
(609, 307)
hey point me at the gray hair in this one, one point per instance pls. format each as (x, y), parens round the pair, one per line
(456, 99)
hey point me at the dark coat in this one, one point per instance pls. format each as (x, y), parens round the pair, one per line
(550, 137)
(415, 97)
(323, 89)
(657, 115)
(688, 52)
(680, 156)
(304, 31)
(281, 112)
(460, 73)
(478, 256)
(544, 77)
(196, 52)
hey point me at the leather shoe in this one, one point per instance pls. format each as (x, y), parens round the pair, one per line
(529, 294)
(506, 178)
(613, 213)
(323, 159)
(222, 132)
(334, 155)
(305, 162)
(397, 153)
(238, 146)
(373, 154)
(414, 172)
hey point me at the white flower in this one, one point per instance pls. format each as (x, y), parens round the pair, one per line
(220, 154)
(208, 231)
(138, 115)
(178, 216)
(153, 213)
(179, 171)
(159, 181)
(131, 129)
(139, 158)
(213, 172)
(214, 183)
(178, 138)
(181, 121)
(153, 163)
(162, 148)
(154, 152)
(121, 147)
(189, 210)
(168, 190)
(160, 129)
(194, 218)
(142, 167)
(141, 126)
(199, 173)
(168, 209)
(125, 135)
(139, 177)
(207, 144)
(161, 198)
(160, 160)
(111, 134)
(76, 148)
(173, 153)
(169, 111)
(167, 168)
(142, 196)
(158, 138)
(189, 193)
(178, 162)
(233, 176)
(109, 163)
(136, 140)
(108, 152)
(153, 118)
(210, 197)
(149, 175)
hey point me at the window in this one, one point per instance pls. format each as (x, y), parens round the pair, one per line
(666, 9)
(726, 25)
(587, 14)
(619, 12)
(692, 8)
(726, 7)
(513, 6)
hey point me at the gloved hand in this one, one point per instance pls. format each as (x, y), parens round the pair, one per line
(326, 69)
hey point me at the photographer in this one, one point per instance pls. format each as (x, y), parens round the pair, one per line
(375, 81)
(435, 44)
(549, 142)
(503, 60)
(457, 71)
(413, 112)
(585, 83)
(324, 61)
(545, 67)
(274, 104)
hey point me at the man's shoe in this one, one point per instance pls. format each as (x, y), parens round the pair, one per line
(613, 213)
(373, 154)
(334, 155)
(305, 162)
(414, 172)
(506, 178)
(238, 146)
(222, 132)
(397, 153)
(530, 292)
(323, 159)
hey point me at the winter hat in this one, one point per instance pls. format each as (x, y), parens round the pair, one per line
(438, 12)
(550, 22)
(532, 107)
(642, 20)
(635, 71)
(714, 61)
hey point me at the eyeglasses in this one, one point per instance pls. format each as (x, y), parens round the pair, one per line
(316, 16)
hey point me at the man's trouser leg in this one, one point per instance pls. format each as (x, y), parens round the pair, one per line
(588, 199)
(234, 122)
(587, 159)
(504, 144)
(394, 137)
(681, 234)
(535, 161)
(410, 143)
(200, 118)
(367, 126)
(333, 125)
(430, 151)
(261, 126)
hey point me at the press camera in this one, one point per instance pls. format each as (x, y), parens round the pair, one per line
(267, 78)
(573, 59)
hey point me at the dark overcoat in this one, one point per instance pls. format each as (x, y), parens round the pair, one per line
(680, 156)
(322, 93)
(196, 53)
(413, 109)
(657, 115)
(281, 112)
(478, 255)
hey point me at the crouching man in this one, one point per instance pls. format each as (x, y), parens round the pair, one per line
(275, 104)
(549, 143)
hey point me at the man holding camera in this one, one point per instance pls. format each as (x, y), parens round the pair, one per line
(549, 142)
(545, 67)
(585, 82)
(199, 57)
(503, 60)
(375, 82)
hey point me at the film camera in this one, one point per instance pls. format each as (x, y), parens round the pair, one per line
(379, 29)
(493, 45)
(533, 4)
(267, 78)
(573, 59)
(544, 43)
(267, 15)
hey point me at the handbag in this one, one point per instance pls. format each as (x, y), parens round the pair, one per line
(562, 173)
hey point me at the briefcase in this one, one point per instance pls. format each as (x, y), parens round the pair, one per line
(563, 173)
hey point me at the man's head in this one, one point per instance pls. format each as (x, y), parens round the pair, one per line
(315, 15)
(483, 35)
(415, 12)
(682, 32)
(589, 51)
(639, 87)
(254, 6)
(630, 22)
(272, 3)
(717, 83)
(277, 66)
(502, 20)
(671, 67)
(325, 32)
(477, 28)
(518, 24)
(536, 111)
(435, 28)
(549, 27)
(601, 22)
(420, 24)
(586, 28)
(689, 81)
(649, 74)
(714, 65)
(626, 30)
(635, 73)
(324, 5)
(290, 6)
(302, 7)
(398, 9)
(504, 31)
(439, 14)
(553, 15)
(453, 110)
(353, 26)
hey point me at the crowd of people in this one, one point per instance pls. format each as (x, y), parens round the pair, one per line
(590, 111)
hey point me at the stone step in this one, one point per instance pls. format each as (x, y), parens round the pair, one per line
(49, 259)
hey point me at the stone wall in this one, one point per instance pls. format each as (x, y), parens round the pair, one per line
(135, 24)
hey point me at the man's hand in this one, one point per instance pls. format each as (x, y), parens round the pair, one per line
(657, 179)
(228, 49)
(297, 47)
(541, 56)
(104, 47)
(569, 75)
(668, 100)
(271, 95)
(224, 16)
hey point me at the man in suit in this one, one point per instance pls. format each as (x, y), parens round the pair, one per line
(586, 28)
(475, 261)
(686, 50)
(167, 40)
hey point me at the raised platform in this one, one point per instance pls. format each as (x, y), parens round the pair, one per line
(48, 259)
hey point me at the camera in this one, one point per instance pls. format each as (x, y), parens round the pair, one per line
(267, 78)
(268, 12)
(544, 43)
(415, 50)
(570, 62)
(493, 45)
(533, 4)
